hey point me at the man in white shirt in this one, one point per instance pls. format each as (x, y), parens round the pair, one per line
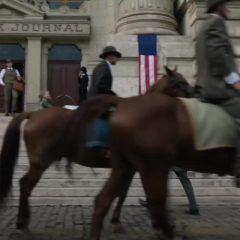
(7, 78)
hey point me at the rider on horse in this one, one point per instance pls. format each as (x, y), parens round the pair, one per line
(218, 81)
(102, 84)
(102, 75)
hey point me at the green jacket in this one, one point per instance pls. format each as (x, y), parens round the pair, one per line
(215, 60)
(101, 82)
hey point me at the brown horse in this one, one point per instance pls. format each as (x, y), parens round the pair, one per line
(151, 134)
(54, 133)
(49, 135)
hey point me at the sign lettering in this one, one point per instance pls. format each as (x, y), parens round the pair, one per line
(45, 28)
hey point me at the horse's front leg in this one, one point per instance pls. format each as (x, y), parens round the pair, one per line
(115, 220)
(155, 185)
(112, 188)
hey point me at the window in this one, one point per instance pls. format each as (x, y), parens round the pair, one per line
(13, 51)
(73, 4)
(64, 52)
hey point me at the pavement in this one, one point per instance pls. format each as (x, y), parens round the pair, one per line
(216, 222)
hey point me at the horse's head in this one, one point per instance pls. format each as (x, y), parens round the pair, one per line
(173, 84)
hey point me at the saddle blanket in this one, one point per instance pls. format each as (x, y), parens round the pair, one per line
(212, 126)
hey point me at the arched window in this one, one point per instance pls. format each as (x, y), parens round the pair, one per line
(64, 52)
(13, 51)
(73, 4)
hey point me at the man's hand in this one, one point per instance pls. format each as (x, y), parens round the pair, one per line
(233, 79)
(2, 83)
(236, 86)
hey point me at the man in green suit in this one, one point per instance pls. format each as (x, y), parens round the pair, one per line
(101, 82)
(7, 77)
(218, 81)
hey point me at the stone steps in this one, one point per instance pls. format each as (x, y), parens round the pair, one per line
(56, 187)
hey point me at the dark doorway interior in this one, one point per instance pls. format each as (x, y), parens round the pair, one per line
(19, 65)
(17, 53)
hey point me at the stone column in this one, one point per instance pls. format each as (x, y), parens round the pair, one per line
(33, 73)
(45, 50)
(146, 16)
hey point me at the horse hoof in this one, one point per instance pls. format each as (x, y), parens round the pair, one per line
(21, 226)
(118, 228)
(115, 221)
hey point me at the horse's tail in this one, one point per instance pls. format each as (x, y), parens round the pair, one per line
(9, 154)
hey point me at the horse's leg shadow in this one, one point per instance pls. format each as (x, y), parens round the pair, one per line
(27, 183)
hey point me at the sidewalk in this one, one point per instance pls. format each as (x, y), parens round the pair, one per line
(221, 222)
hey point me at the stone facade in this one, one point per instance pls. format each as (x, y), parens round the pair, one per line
(98, 23)
(95, 24)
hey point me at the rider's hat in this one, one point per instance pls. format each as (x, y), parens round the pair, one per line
(8, 60)
(110, 50)
(212, 4)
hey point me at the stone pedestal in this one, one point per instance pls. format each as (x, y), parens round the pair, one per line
(33, 73)
(146, 16)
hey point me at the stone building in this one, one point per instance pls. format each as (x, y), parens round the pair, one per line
(48, 40)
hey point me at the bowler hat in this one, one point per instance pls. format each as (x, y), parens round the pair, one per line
(84, 69)
(212, 4)
(110, 50)
(8, 60)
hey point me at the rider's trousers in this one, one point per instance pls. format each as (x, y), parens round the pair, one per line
(232, 106)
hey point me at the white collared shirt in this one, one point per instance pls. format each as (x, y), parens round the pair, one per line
(2, 73)
(109, 65)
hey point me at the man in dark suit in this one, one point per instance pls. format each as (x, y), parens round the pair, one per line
(218, 81)
(102, 75)
(83, 84)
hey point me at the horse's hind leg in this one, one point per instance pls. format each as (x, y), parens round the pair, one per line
(111, 190)
(155, 185)
(27, 183)
(117, 211)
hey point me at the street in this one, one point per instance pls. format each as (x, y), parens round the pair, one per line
(221, 222)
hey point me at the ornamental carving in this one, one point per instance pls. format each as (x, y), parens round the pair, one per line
(40, 4)
(146, 16)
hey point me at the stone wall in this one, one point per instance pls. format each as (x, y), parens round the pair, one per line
(133, 17)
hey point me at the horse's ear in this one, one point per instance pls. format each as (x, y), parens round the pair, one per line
(168, 70)
(176, 68)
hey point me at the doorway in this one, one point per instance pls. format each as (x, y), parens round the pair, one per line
(63, 79)
(17, 53)
(63, 70)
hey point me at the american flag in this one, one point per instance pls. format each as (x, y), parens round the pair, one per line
(148, 61)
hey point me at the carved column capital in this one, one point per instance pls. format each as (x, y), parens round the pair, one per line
(146, 16)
